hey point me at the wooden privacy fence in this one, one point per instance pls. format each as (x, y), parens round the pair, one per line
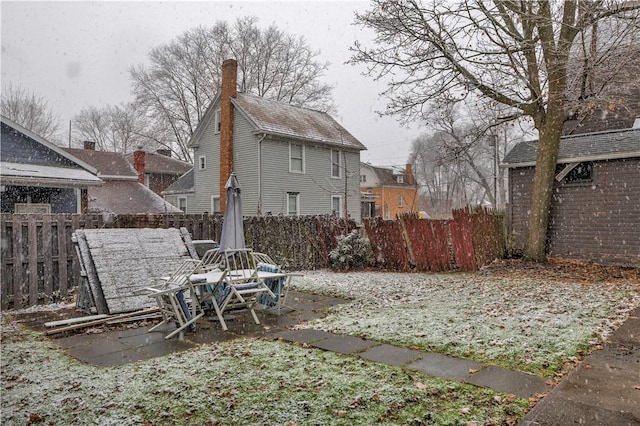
(39, 262)
(473, 238)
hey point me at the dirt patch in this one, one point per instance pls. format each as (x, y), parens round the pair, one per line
(562, 270)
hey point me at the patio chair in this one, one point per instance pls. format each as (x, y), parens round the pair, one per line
(241, 287)
(264, 263)
(171, 300)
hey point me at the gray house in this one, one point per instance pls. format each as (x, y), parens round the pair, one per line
(37, 176)
(288, 160)
(595, 212)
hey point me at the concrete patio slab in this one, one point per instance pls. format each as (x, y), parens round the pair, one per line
(305, 335)
(117, 358)
(391, 355)
(445, 366)
(509, 381)
(344, 344)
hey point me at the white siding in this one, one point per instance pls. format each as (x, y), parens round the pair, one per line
(206, 181)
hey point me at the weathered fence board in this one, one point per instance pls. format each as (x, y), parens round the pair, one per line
(388, 243)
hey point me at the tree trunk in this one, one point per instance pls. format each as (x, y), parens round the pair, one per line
(540, 210)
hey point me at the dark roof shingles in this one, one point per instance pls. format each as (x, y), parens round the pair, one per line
(598, 144)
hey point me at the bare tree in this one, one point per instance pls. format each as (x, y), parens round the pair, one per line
(29, 110)
(183, 76)
(468, 139)
(513, 52)
(115, 128)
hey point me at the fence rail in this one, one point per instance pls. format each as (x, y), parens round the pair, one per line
(39, 264)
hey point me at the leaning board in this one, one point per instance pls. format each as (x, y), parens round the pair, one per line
(128, 260)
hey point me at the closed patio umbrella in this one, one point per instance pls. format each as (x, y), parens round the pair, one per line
(232, 235)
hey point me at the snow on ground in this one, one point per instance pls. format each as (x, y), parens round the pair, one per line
(526, 323)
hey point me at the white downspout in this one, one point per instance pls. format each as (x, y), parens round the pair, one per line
(264, 135)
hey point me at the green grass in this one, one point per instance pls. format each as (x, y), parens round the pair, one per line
(235, 383)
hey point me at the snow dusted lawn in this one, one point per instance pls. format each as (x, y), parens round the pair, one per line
(239, 382)
(525, 322)
(528, 323)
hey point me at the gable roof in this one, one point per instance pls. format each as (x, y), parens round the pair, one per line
(43, 163)
(110, 165)
(289, 121)
(387, 176)
(161, 164)
(182, 185)
(584, 147)
(127, 197)
(283, 120)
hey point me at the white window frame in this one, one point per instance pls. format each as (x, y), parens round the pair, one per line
(400, 201)
(338, 212)
(339, 164)
(217, 121)
(215, 198)
(296, 195)
(202, 162)
(180, 199)
(363, 178)
(302, 149)
(400, 179)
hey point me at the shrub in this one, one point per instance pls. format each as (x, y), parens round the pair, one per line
(352, 251)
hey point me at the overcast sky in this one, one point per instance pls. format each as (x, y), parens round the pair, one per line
(77, 54)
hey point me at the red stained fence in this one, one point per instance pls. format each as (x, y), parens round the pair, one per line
(473, 238)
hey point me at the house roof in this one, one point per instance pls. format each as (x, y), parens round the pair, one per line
(387, 176)
(40, 162)
(110, 165)
(23, 174)
(184, 184)
(127, 197)
(286, 120)
(584, 147)
(162, 164)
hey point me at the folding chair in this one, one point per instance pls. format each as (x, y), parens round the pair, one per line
(264, 263)
(170, 297)
(211, 260)
(241, 286)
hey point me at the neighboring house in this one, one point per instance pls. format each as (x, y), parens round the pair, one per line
(595, 212)
(387, 191)
(121, 192)
(157, 170)
(288, 160)
(37, 176)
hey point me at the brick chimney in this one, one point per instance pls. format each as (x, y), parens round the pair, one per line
(89, 145)
(408, 171)
(138, 164)
(165, 152)
(229, 84)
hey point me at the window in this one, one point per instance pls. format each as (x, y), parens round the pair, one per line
(296, 158)
(575, 172)
(363, 178)
(202, 162)
(400, 201)
(215, 204)
(293, 203)
(217, 122)
(336, 166)
(336, 205)
(182, 204)
(400, 179)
